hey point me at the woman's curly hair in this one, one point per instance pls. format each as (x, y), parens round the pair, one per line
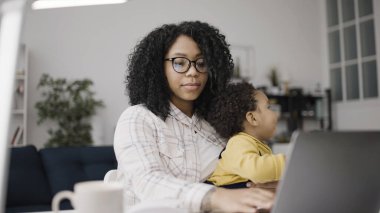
(230, 107)
(146, 82)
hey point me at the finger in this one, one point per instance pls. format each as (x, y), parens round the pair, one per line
(263, 192)
(255, 201)
(262, 211)
(248, 209)
(264, 186)
(271, 185)
(262, 199)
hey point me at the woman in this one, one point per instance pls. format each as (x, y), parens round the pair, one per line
(164, 147)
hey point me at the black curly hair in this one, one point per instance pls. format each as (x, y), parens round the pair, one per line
(230, 107)
(146, 82)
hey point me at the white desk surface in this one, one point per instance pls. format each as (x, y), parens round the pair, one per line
(159, 206)
(63, 211)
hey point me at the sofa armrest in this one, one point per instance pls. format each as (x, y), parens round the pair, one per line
(27, 181)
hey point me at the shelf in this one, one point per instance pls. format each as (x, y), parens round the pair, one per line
(297, 107)
(301, 103)
(20, 77)
(18, 122)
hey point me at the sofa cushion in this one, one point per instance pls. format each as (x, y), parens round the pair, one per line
(66, 166)
(27, 183)
(32, 208)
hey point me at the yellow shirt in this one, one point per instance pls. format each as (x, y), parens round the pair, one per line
(246, 158)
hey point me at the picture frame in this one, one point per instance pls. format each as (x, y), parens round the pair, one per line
(243, 57)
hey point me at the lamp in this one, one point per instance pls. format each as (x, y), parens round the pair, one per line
(12, 12)
(47, 4)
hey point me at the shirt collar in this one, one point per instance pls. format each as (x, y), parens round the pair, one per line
(199, 125)
(183, 118)
(253, 138)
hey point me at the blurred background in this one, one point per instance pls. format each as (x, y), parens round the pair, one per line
(295, 50)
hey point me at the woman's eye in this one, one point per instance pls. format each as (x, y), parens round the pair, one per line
(179, 62)
(201, 64)
(178, 66)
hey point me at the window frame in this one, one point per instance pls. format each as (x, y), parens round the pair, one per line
(359, 60)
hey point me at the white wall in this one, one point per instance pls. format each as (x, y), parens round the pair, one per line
(94, 42)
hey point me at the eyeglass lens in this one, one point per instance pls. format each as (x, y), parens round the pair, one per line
(183, 65)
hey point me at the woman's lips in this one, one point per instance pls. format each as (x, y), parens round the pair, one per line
(191, 86)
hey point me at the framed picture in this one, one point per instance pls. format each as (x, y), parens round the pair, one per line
(243, 57)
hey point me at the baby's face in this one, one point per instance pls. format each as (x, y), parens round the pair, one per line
(268, 118)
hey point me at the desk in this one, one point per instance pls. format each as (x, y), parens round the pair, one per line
(159, 206)
(139, 209)
(142, 209)
(63, 211)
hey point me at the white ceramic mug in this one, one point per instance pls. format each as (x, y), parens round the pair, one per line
(92, 196)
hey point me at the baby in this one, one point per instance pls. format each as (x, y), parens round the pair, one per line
(243, 115)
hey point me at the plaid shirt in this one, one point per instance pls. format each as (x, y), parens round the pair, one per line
(165, 159)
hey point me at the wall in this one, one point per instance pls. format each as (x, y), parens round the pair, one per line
(94, 42)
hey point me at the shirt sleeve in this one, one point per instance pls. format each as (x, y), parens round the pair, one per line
(137, 152)
(242, 157)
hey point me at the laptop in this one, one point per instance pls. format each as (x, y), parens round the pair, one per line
(337, 172)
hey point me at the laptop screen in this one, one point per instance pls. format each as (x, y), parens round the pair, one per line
(331, 172)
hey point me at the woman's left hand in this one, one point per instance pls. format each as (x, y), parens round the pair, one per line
(241, 200)
(272, 186)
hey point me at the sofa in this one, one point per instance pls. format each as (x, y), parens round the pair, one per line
(35, 176)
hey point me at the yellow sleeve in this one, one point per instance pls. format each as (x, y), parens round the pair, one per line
(242, 158)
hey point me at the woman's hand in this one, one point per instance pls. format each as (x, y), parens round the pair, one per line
(241, 200)
(272, 186)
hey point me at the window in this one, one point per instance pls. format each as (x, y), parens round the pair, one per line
(352, 50)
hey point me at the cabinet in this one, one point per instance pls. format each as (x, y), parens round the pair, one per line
(18, 121)
(296, 107)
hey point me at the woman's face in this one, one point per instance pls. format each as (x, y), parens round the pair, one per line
(187, 86)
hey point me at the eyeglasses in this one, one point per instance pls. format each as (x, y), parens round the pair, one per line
(182, 64)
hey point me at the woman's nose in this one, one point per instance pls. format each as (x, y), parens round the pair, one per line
(192, 70)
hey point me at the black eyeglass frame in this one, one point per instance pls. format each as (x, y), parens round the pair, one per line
(191, 62)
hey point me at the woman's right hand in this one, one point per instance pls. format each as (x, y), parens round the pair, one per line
(241, 200)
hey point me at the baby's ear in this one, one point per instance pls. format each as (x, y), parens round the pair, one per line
(252, 118)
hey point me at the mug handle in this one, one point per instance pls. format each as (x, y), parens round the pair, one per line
(59, 197)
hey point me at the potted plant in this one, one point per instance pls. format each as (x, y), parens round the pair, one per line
(273, 77)
(70, 105)
(274, 80)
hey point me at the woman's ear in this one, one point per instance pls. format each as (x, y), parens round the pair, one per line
(252, 118)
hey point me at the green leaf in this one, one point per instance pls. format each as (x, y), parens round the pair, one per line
(70, 105)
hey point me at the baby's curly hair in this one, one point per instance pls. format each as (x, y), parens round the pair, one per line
(230, 107)
(146, 82)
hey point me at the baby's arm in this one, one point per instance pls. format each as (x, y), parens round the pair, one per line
(243, 158)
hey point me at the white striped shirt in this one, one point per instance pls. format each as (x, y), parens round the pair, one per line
(165, 159)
